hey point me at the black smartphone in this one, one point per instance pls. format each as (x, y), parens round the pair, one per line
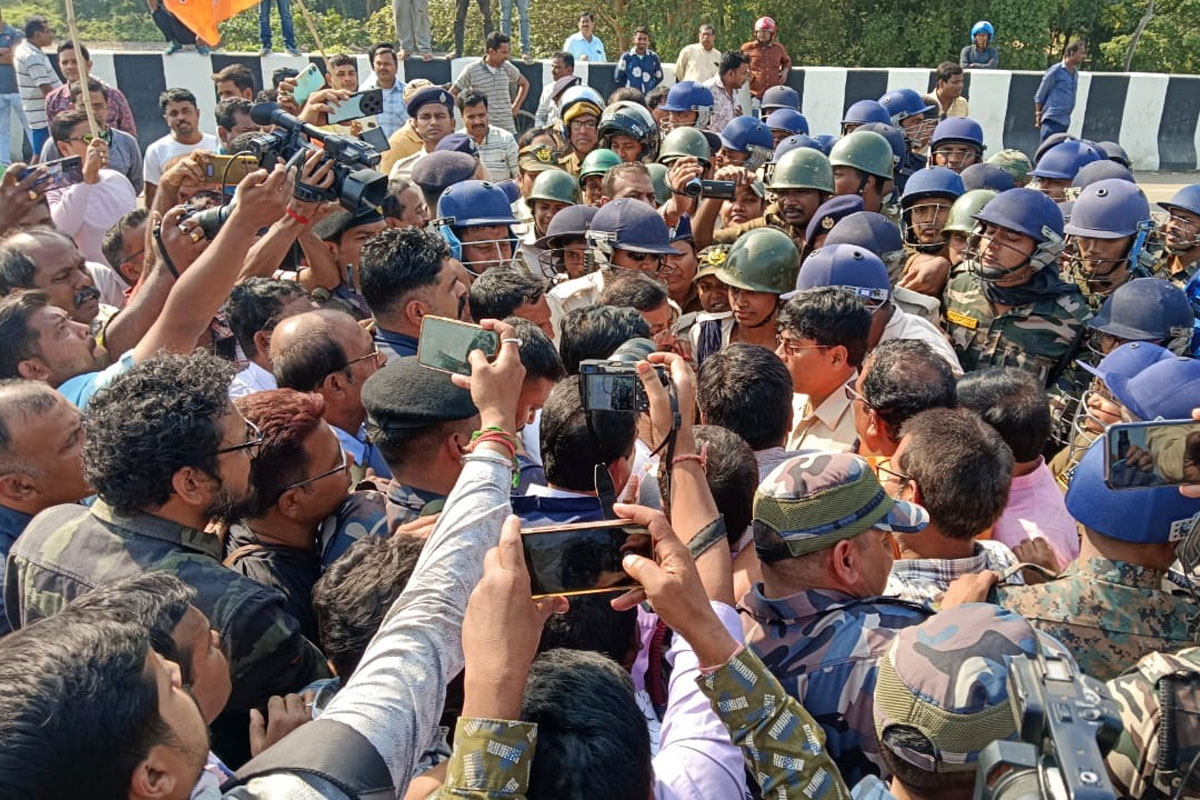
(1140, 455)
(357, 105)
(445, 343)
(583, 557)
(59, 174)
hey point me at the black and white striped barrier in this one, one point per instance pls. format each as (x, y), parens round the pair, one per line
(1153, 116)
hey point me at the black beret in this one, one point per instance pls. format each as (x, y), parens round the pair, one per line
(338, 222)
(405, 396)
(430, 94)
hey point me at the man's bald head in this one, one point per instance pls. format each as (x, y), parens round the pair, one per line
(41, 447)
(44, 258)
(307, 347)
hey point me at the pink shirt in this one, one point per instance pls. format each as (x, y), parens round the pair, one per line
(1036, 509)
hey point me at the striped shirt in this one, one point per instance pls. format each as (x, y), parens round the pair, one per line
(500, 86)
(498, 152)
(34, 71)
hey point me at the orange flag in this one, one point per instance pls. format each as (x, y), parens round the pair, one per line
(202, 16)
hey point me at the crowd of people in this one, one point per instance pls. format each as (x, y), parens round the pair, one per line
(254, 547)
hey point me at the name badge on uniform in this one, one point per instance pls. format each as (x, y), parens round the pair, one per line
(962, 319)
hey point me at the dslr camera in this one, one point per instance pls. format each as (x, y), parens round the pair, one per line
(1067, 722)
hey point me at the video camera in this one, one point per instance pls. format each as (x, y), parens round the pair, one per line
(357, 185)
(721, 190)
(1067, 722)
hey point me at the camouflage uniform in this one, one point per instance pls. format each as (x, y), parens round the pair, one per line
(1107, 613)
(68, 550)
(407, 503)
(1173, 270)
(492, 759)
(1157, 746)
(363, 513)
(1041, 337)
(824, 648)
(770, 217)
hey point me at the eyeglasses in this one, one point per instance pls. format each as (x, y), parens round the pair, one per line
(87, 138)
(891, 475)
(792, 348)
(252, 445)
(584, 124)
(343, 467)
(853, 394)
(373, 354)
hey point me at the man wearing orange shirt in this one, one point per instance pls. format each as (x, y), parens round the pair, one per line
(769, 61)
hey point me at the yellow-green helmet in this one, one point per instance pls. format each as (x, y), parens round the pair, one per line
(802, 168)
(685, 143)
(557, 185)
(597, 162)
(762, 260)
(961, 218)
(866, 151)
(658, 177)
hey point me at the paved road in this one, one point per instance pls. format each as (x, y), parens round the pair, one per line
(1160, 186)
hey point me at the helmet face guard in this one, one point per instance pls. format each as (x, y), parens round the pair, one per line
(477, 266)
(917, 135)
(1178, 245)
(908, 225)
(1098, 273)
(958, 153)
(562, 263)
(1044, 253)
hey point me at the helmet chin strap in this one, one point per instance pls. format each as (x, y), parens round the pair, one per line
(1043, 254)
(768, 318)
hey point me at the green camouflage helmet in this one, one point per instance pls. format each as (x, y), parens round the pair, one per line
(866, 151)
(658, 176)
(802, 168)
(762, 260)
(597, 162)
(685, 143)
(1015, 163)
(961, 218)
(557, 185)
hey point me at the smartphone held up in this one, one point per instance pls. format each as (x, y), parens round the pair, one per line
(583, 558)
(445, 344)
(1139, 455)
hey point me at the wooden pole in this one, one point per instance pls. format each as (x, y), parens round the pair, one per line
(84, 95)
(312, 28)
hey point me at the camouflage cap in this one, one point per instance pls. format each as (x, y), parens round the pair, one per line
(815, 500)
(711, 260)
(1014, 162)
(947, 679)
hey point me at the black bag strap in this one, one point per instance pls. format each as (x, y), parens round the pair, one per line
(325, 749)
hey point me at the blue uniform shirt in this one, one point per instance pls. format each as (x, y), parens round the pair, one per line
(1057, 93)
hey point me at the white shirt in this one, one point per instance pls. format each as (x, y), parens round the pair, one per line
(163, 150)
(904, 325)
(570, 295)
(250, 380)
(697, 64)
(33, 71)
(547, 110)
(402, 169)
(108, 282)
(85, 211)
(829, 427)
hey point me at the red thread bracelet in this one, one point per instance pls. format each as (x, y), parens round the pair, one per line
(700, 458)
(291, 213)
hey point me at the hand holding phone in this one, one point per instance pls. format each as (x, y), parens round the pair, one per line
(584, 557)
(308, 81)
(228, 170)
(1139, 455)
(359, 104)
(445, 344)
(58, 174)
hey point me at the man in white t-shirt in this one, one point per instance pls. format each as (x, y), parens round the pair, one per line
(183, 118)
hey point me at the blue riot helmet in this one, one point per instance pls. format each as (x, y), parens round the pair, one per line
(778, 97)
(850, 268)
(895, 138)
(957, 143)
(862, 112)
(1144, 310)
(793, 142)
(469, 214)
(750, 137)
(1024, 211)
(562, 249)
(1059, 165)
(987, 176)
(925, 206)
(1099, 171)
(910, 113)
(1114, 152)
(1182, 231)
(787, 119)
(876, 233)
(630, 226)
(1108, 229)
(685, 97)
(826, 141)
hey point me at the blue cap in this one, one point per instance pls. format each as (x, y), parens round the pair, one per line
(682, 231)
(867, 111)
(829, 212)
(458, 143)
(1167, 389)
(787, 119)
(634, 226)
(1127, 360)
(780, 97)
(430, 94)
(987, 176)
(867, 229)
(441, 169)
(794, 142)
(687, 96)
(844, 265)
(1138, 515)
(474, 203)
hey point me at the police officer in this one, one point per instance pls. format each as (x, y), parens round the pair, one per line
(862, 112)
(1055, 170)
(685, 142)
(987, 176)
(902, 165)
(910, 113)
(1011, 308)
(778, 97)
(1182, 235)
(960, 223)
(924, 209)
(745, 142)
(1098, 171)
(1015, 163)
(475, 218)
(1107, 238)
(591, 173)
(761, 266)
(626, 234)
(862, 164)
(406, 404)
(784, 123)
(581, 108)
(688, 105)
(629, 130)
(553, 192)
(562, 250)
(957, 143)
(790, 143)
